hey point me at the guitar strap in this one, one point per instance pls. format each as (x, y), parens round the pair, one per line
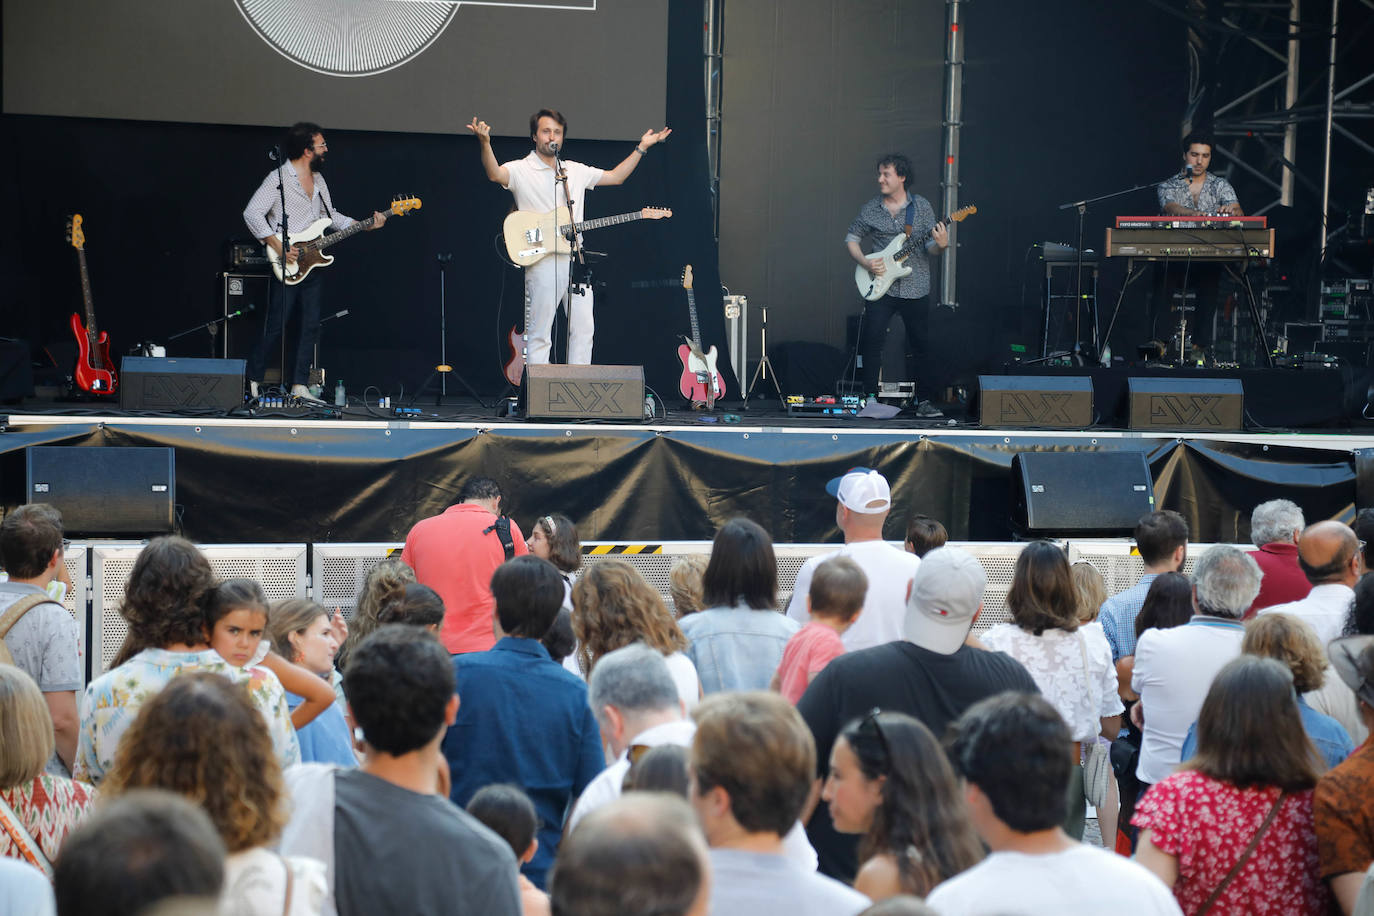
(910, 214)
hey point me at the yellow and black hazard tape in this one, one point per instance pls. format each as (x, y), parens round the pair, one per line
(607, 550)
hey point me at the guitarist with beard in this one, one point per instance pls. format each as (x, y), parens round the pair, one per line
(307, 200)
(895, 210)
(532, 181)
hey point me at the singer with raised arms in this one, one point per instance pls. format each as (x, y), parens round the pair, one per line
(532, 181)
(297, 177)
(1195, 190)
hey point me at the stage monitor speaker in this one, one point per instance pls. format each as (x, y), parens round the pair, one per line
(1079, 494)
(105, 490)
(1044, 401)
(559, 392)
(175, 383)
(1187, 403)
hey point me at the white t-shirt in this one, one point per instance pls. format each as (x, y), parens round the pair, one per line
(1174, 669)
(1055, 660)
(532, 183)
(685, 677)
(1082, 879)
(255, 884)
(1324, 609)
(889, 570)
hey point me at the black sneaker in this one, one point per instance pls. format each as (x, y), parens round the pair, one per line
(928, 411)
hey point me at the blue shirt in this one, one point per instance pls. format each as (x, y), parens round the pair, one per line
(325, 738)
(1327, 735)
(1118, 616)
(523, 719)
(736, 648)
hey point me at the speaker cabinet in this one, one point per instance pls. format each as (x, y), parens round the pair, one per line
(1080, 494)
(105, 490)
(245, 297)
(156, 383)
(558, 392)
(1187, 403)
(1044, 402)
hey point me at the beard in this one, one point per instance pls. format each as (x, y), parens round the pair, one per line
(317, 163)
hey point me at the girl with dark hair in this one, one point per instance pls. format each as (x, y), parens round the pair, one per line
(1245, 798)
(659, 769)
(417, 606)
(738, 639)
(303, 633)
(164, 603)
(890, 781)
(1072, 666)
(1168, 603)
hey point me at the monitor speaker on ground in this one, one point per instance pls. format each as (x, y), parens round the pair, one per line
(1045, 401)
(1080, 494)
(558, 392)
(1187, 403)
(105, 490)
(156, 383)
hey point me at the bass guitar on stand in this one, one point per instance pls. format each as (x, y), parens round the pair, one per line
(94, 372)
(700, 384)
(312, 241)
(875, 286)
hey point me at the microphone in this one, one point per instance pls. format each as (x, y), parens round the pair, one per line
(1187, 172)
(274, 154)
(341, 313)
(553, 148)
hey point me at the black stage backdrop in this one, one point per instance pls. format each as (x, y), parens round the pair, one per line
(160, 199)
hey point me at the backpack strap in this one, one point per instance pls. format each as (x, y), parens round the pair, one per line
(502, 528)
(19, 609)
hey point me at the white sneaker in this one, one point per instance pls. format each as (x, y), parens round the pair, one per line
(253, 390)
(302, 392)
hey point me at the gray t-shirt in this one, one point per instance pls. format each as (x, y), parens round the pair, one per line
(396, 851)
(749, 883)
(46, 645)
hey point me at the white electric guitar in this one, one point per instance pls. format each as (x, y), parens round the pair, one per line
(875, 286)
(312, 241)
(532, 236)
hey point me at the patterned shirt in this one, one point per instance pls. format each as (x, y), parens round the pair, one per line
(1216, 193)
(49, 807)
(1345, 822)
(113, 700)
(263, 213)
(875, 227)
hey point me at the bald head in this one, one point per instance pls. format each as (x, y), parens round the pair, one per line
(1329, 552)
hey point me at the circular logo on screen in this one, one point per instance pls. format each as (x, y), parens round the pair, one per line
(348, 37)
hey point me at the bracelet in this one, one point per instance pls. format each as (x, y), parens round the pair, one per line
(640, 151)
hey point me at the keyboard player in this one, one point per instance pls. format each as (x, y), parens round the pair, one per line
(1195, 190)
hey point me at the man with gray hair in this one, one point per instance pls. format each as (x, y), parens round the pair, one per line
(635, 701)
(1174, 668)
(1274, 529)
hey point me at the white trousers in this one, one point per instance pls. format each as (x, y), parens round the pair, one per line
(546, 286)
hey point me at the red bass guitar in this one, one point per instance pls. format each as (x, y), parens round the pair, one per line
(94, 372)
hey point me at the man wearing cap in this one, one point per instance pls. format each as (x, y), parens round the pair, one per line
(930, 674)
(1343, 807)
(863, 500)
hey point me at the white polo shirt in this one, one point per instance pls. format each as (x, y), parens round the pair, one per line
(890, 571)
(532, 183)
(1324, 609)
(1174, 669)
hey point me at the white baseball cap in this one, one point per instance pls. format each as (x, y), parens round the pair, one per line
(861, 490)
(945, 597)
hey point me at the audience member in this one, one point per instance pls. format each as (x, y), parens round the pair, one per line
(1091, 590)
(510, 813)
(931, 675)
(1292, 643)
(924, 534)
(738, 638)
(901, 905)
(1016, 803)
(1046, 639)
(303, 634)
(417, 606)
(37, 809)
(616, 607)
(1364, 530)
(684, 583)
(1344, 804)
(24, 890)
(455, 554)
(834, 601)
(136, 851)
(863, 500)
(221, 759)
(659, 769)
(1245, 800)
(891, 782)
(554, 538)
(752, 761)
(637, 705)
(1330, 557)
(40, 635)
(642, 855)
(1174, 668)
(1162, 540)
(163, 605)
(1274, 529)
(1334, 698)
(385, 581)
(390, 841)
(560, 640)
(1168, 604)
(524, 719)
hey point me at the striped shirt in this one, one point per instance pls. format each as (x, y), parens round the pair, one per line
(263, 213)
(1216, 193)
(874, 227)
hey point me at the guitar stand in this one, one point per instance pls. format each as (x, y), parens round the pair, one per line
(444, 370)
(765, 366)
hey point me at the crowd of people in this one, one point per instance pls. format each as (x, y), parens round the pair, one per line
(499, 730)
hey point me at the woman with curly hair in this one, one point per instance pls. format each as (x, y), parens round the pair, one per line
(201, 738)
(890, 781)
(614, 607)
(385, 582)
(164, 605)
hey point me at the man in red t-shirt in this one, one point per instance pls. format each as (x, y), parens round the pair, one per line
(1274, 529)
(455, 554)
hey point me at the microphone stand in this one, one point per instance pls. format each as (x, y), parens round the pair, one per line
(574, 252)
(285, 247)
(315, 356)
(212, 326)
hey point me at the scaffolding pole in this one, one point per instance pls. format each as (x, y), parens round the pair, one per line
(713, 61)
(954, 112)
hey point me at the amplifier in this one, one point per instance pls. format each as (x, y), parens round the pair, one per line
(245, 293)
(245, 256)
(1186, 403)
(561, 392)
